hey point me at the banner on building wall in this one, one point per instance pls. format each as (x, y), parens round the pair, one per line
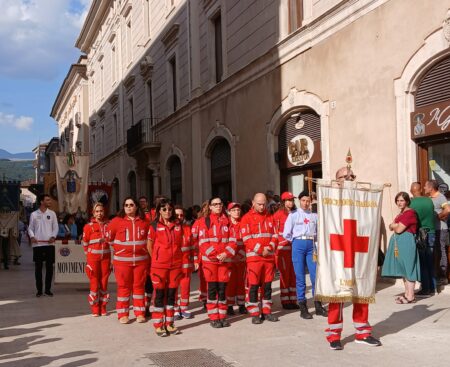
(70, 263)
(99, 192)
(50, 188)
(72, 172)
(348, 241)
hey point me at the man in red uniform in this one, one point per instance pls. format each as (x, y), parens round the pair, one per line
(260, 240)
(283, 255)
(217, 244)
(189, 263)
(360, 310)
(236, 285)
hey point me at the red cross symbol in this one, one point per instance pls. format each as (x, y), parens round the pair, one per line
(306, 220)
(349, 242)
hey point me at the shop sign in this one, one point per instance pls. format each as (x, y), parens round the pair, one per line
(300, 150)
(430, 120)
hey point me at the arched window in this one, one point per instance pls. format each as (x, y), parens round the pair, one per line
(132, 184)
(221, 170)
(175, 174)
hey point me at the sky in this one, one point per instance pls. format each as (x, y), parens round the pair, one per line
(37, 48)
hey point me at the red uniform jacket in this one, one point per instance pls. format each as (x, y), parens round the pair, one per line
(258, 232)
(129, 240)
(240, 248)
(95, 244)
(188, 249)
(167, 243)
(214, 238)
(279, 219)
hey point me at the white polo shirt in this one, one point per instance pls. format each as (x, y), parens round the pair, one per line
(43, 226)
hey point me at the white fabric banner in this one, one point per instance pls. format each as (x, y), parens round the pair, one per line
(70, 263)
(72, 182)
(348, 241)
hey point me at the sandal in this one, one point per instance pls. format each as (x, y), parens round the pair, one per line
(402, 300)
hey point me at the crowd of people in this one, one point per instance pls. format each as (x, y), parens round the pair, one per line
(236, 250)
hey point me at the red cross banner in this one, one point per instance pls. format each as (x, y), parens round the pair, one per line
(348, 241)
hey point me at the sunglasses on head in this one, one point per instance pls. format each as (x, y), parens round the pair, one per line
(166, 209)
(129, 205)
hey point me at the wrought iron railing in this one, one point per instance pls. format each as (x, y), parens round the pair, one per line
(140, 134)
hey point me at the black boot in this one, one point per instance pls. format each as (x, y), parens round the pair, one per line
(320, 311)
(304, 313)
(230, 311)
(243, 310)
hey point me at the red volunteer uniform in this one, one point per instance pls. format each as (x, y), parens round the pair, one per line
(201, 277)
(283, 261)
(259, 233)
(131, 261)
(98, 268)
(236, 285)
(166, 270)
(214, 238)
(189, 258)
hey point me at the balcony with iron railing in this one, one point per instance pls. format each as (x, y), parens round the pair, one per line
(142, 136)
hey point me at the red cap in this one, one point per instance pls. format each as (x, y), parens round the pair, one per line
(233, 205)
(287, 196)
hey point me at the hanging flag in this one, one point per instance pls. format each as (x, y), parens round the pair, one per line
(348, 240)
(72, 181)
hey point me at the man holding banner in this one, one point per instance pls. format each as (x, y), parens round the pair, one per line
(349, 229)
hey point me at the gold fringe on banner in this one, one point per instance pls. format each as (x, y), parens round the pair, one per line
(342, 299)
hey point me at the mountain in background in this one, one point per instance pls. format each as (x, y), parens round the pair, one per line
(17, 156)
(19, 170)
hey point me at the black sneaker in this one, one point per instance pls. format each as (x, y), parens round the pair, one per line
(271, 317)
(48, 293)
(216, 324)
(336, 345)
(225, 323)
(424, 294)
(256, 320)
(38, 294)
(370, 341)
(230, 311)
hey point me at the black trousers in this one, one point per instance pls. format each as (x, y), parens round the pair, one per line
(5, 250)
(40, 255)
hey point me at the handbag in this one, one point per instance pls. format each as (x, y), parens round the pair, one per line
(422, 239)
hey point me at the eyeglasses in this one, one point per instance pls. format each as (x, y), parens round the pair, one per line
(216, 204)
(129, 205)
(180, 215)
(166, 209)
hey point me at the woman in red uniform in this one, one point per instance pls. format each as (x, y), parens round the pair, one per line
(127, 234)
(98, 256)
(217, 247)
(165, 240)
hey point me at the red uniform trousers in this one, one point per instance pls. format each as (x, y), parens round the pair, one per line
(217, 276)
(202, 283)
(288, 291)
(185, 289)
(98, 273)
(336, 320)
(236, 285)
(130, 279)
(165, 285)
(260, 276)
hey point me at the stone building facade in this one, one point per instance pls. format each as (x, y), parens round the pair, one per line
(193, 98)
